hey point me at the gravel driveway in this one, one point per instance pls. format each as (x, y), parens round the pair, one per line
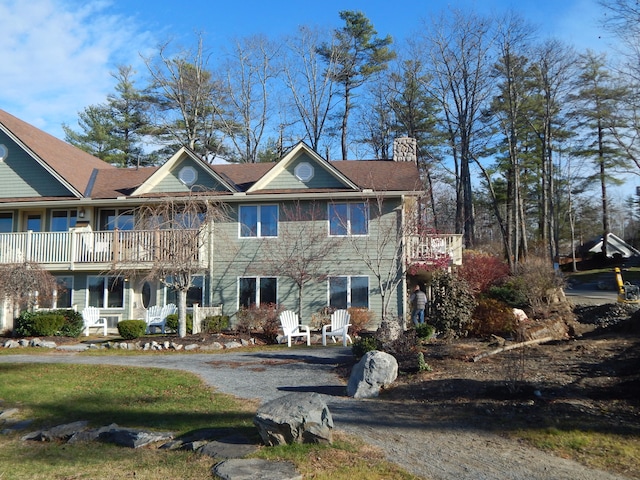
(430, 452)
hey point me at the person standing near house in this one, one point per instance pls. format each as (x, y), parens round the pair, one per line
(418, 300)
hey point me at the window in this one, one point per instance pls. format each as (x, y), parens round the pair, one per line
(63, 296)
(63, 220)
(345, 292)
(348, 219)
(257, 291)
(116, 218)
(6, 222)
(105, 292)
(258, 221)
(195, 294)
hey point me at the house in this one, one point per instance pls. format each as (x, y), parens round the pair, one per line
(615, 247)
(74, 215)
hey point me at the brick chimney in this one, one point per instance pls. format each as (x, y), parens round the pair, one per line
(405, 149)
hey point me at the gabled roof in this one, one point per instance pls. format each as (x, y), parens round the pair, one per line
(295, 152)
(70, 165)
(615, 245)
(157, 176)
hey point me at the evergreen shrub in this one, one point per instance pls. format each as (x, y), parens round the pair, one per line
(425, 331)
(172, 322)
(130, 329)
(451, 310)
(362, 345)
(215, 324)
(49, 323)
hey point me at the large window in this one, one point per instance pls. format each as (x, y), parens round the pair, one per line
(195, 294)
(345, 292)
(63, 220)
(122, 219)
(63, 296)
(6, 222)
(257, 291)
(348, 219)
(105, 292)
(258, 221)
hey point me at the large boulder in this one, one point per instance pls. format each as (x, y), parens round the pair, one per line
(376, 370)
(295, 418)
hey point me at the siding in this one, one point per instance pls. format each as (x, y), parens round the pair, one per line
(171, 182)
(21, 176)
(236, 257)
(321, 178)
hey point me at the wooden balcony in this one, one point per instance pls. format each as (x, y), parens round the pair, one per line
(426, 248)
(90, 250)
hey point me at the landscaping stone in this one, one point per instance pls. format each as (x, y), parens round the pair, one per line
(233, 446)
(376, 370)
(255, 469)
(295, 418)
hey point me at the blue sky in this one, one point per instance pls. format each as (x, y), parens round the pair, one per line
(57, 55)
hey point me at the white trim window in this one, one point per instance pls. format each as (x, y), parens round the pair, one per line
(349, 291)
(258, 221)
(105, 292)
(196, 293)
(63, 294)
(348, 219)
(63, 220)
(257, 291)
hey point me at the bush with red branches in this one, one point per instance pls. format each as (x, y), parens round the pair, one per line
(481, 270)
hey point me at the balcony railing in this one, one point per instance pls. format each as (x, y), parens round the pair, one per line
(75, 249)
(426, 248)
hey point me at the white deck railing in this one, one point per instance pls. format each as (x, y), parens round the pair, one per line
(425, 248)
(95, 247)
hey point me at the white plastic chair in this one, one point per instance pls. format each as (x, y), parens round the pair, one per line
(92, 319)
(291, 327)
(339, 327)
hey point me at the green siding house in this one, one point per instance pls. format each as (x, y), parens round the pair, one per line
(302, 232)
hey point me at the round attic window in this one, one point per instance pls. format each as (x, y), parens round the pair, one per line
(304, 172)
(4, 151)
(188, 175)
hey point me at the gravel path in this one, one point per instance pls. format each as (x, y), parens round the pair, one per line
(434, 452)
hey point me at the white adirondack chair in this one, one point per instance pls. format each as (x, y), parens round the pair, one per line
(92, 319)
(339, 327)
(291, 327)
(157, 317)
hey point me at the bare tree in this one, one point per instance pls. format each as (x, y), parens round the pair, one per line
(312, 91)
(303, 246)
(25, 284)
(383, 250)
(247, 79)
(457, 61)
(172, 235)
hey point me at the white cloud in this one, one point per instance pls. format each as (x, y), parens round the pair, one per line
(56, 57)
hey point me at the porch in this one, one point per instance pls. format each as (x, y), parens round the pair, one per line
(427, 248)
(80, 249)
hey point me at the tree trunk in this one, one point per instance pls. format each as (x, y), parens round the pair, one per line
(182, 313)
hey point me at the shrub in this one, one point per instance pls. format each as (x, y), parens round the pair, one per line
(215, 324)
(263, 318)
(423, 366)
(492, 316)
(73, 323)
(509, 292)
(360, 319)
(481, 270)
(172, 322)
(49, 323)
(425, 331)
(130, 329)
(362, 345)
(453, 303)
(538, 279)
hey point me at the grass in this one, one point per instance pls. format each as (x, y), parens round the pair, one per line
(147, 398)
(604, 451)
